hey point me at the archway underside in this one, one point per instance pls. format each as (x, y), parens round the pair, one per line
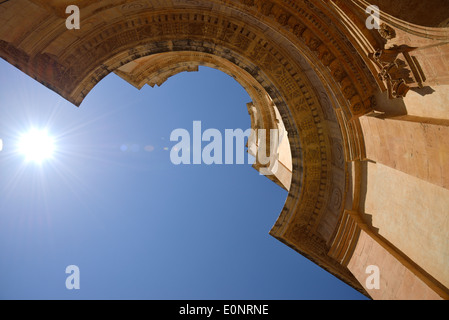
(156, 69)
(290, 52)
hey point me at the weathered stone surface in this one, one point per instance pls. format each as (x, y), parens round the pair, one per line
(346, 95)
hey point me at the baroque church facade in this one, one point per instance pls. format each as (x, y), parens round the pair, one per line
(360, 87)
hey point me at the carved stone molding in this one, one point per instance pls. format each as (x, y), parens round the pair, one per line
(387, 32)
(399, 70)
(345, 239)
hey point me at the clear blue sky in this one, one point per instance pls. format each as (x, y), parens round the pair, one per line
(137, 226)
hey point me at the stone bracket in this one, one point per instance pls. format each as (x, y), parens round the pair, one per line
(399, 70)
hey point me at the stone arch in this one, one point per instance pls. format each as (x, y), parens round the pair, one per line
(315, 61)
(270, 46)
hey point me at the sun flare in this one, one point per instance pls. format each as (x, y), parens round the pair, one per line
(36, 145)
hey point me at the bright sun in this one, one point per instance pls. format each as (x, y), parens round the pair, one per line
(36, 145)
